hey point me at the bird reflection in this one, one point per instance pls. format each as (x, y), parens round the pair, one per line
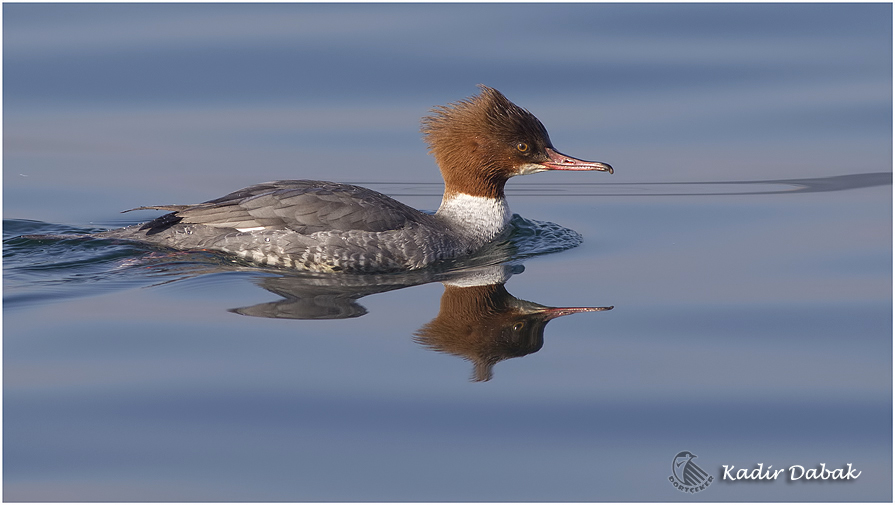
(479, 320)
(486, 325)
(322, 296)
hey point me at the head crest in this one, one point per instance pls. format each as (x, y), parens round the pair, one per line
(488, 112)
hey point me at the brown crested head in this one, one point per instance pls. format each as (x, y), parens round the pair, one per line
(484, 140)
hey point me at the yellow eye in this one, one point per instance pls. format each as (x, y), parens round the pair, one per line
(522, 147)
(518, 326)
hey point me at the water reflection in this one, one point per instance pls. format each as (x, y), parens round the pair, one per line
(326, 296)
(478, 319)
(485, 324)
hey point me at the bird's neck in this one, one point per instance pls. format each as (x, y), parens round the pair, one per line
(482, 218)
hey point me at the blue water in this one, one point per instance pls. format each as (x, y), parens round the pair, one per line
(745, 242)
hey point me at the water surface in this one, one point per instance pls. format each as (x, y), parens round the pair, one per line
(744, 241)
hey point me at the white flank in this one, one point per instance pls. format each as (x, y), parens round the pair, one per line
(256, 228)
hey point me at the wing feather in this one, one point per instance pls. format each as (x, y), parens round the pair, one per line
(301, 206)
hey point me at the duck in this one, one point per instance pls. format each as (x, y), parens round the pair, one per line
(479, 143)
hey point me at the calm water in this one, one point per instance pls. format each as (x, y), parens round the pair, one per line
(745, 242)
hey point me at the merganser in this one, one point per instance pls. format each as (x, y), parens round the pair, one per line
(478, 143)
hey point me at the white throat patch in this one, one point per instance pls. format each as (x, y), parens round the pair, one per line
(480, 216)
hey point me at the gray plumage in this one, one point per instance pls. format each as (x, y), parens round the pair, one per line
(308, 225)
